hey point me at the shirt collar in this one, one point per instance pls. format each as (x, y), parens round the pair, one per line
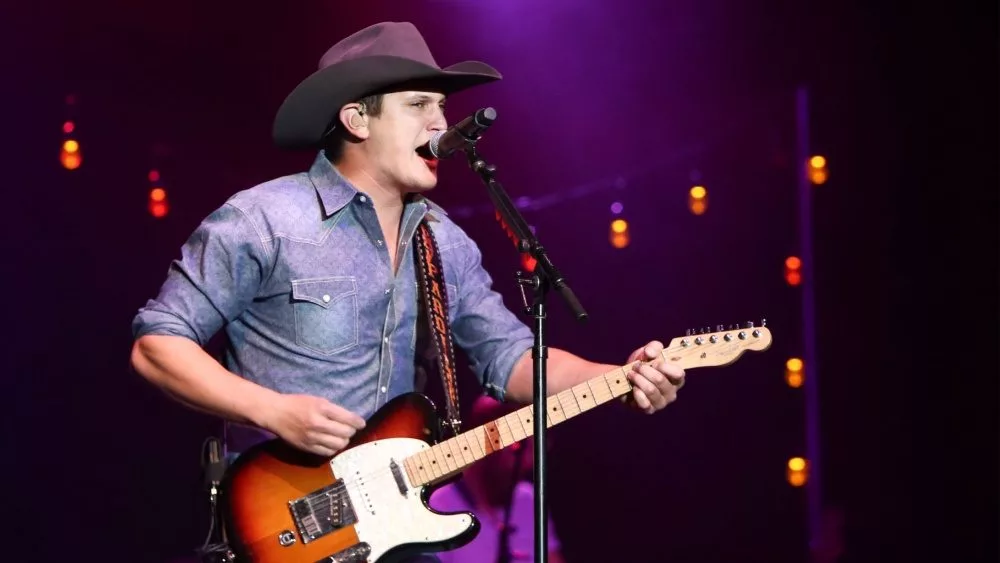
(335, 191)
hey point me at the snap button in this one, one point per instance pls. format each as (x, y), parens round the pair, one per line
(363, 199)
(326, 299)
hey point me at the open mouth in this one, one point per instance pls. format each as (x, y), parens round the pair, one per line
(432, 163)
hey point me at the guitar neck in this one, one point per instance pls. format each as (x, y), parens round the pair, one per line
(452, 456)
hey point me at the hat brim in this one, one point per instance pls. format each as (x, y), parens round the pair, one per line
(304, 116)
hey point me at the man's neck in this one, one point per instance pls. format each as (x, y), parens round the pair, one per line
(388, 200)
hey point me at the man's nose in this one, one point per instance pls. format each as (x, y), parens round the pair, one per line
(438, 122)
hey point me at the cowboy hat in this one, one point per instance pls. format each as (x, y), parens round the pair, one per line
(374, 59)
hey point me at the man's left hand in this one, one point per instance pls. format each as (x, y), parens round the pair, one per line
(655, 384)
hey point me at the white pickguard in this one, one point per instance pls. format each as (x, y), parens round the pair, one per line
(385, 517)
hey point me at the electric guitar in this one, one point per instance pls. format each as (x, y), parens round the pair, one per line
(368, 503)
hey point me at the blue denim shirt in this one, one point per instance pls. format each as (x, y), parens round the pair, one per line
(296, 272)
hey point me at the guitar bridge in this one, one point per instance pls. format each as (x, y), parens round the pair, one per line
(321, 512)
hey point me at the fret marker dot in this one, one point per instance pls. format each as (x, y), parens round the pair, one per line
(584, 395)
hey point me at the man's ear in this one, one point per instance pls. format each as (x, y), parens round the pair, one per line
(355, 120)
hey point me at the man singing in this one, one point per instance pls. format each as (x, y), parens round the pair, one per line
(312, 276)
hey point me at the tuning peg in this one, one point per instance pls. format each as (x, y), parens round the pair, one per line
(749, 324)
(689, 332)
(719, 328)
(763, 321)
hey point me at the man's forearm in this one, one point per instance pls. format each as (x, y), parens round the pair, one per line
(563, 370)
(184, 371)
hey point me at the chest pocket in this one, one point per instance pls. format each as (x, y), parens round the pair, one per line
(326, 313)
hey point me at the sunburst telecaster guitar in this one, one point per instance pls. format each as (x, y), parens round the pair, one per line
(368, 503)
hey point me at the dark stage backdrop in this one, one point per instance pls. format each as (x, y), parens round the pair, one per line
(614, 102)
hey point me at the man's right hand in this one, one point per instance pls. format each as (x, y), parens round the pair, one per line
(312, 423)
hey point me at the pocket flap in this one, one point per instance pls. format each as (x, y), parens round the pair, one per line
(324, 291)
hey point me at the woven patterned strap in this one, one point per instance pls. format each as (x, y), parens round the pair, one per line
(434, 297)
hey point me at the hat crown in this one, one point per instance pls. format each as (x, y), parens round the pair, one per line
(398, 39)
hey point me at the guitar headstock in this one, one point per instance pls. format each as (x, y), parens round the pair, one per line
(706, 348)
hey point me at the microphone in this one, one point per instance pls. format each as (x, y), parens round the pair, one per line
(444, 143)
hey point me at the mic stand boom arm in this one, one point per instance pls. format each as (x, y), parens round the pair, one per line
(543, 277)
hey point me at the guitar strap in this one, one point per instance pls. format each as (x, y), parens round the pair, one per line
(434, 301)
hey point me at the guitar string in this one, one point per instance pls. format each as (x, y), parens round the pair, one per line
(385, 472)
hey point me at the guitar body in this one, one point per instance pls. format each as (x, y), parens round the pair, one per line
(282, 505)
(368, 504)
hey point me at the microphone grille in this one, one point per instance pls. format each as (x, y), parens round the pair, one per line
(435, 143)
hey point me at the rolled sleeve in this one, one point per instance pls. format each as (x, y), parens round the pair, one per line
(493, 338)
(217, 275)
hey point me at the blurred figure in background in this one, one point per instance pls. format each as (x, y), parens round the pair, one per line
(498, 490)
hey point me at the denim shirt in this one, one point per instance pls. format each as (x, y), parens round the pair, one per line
(297, 273)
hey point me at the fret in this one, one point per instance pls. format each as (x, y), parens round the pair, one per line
(468, 456)
(555, 411)
(516, 429)
(492, 438)
(423, 467)
(568, 403)
(448, 446)
(411, 470)
(527, 419)
(475, 438)
(584, 396)
(438, 464)
(523, 416)
(618, 383)
(600, 389)
(503, 429)
(430, 466)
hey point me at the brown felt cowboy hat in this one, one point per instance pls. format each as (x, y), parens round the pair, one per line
(377, 58)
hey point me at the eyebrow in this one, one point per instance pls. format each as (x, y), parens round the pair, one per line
(426, 98)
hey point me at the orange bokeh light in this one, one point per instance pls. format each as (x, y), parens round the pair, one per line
(157, 194)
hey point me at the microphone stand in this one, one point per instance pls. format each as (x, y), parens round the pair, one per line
(544, 278)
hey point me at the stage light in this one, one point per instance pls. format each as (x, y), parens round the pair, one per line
(616, 208)
(797, 472)
(698, 200)
(68, 127)
(159, 209)
(794, 373)
(158, 205)
(619, 235)
(157, 194)
(816, 170)
(70, 155)
(793, 270)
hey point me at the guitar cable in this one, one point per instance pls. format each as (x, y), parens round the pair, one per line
(213, 465)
